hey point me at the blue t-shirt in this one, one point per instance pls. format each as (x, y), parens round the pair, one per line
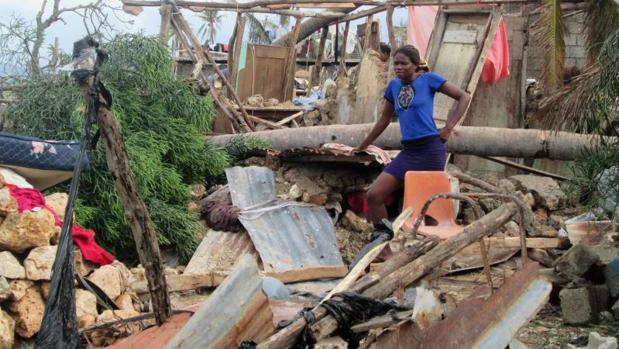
(414, 105)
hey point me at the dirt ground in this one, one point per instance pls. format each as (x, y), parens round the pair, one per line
(547, 330)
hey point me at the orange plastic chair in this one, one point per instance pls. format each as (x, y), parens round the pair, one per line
(419, 186)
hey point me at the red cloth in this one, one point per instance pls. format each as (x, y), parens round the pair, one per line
(496, 66)
(29, 199)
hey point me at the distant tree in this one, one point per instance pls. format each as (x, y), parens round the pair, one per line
(212, 23)
(22, 42)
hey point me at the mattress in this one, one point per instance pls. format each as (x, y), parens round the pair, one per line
(43, 163)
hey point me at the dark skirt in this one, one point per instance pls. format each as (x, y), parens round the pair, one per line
(423, 155)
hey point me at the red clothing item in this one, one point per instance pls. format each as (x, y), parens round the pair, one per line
(29, 199)
(496, 66)
(358, 201)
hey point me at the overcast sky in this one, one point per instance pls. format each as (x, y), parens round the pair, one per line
(147, 21)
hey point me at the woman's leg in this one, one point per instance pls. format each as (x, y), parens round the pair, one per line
(384, 185)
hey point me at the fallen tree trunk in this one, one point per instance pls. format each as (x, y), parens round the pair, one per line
(423, 265)
(310, 26)
(469, 140)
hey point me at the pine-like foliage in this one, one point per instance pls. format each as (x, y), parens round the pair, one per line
(163, 123)
(548, 30)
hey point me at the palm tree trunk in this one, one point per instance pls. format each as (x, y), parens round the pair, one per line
(470, 140)
(310, 26)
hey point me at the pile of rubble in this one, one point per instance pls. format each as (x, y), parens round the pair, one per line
(27, 251)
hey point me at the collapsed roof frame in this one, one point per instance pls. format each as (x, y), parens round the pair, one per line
(240, 120)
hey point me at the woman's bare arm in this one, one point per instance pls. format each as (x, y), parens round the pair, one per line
(380, 125)
(463, 99)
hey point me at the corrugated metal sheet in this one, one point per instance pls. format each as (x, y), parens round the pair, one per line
(292, 235)
(219, 251)
(250, 186)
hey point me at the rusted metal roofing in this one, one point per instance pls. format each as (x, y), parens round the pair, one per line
(292, 235)
(250, 186)
(479, 323)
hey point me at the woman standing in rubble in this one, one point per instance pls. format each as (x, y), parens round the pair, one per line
(411, 97)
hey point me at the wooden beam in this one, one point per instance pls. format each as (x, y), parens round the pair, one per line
(164, 29)
(514, 241)
(234, 47)
(367, 39)
(525, 168)
(342, 68)
(197, 5)
(204, 55)
(364, 13)
(229, 113)
(314, 79)
(290, 118)
(292, 62)
(391, 34)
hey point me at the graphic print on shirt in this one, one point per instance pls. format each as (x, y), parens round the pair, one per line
(407, 93)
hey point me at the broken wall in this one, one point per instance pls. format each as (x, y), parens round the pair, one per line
(575, 45)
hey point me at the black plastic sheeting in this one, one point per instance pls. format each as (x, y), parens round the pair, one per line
(350, 308)
(59, 326)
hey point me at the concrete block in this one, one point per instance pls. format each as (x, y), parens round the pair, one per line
(577, 306)
(582, 305)
(570, 39)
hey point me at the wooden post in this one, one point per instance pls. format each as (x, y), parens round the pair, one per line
(391, 35)
(204, 55)
(228, 112)
(238, 43)
(315, 78)
(367, 41)
(53, 64)
(137, 214)
(292, 62)
(164, 29)
(342, 69)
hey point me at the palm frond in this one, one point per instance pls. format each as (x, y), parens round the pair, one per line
(257, 29)
(549, 29)
(590, 103)
(601, 20)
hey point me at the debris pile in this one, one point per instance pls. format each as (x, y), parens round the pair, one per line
(27, 253)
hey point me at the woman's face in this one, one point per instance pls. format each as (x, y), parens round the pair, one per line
(403, 66)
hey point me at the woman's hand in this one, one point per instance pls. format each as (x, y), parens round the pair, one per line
(444, 133)
(355, 150)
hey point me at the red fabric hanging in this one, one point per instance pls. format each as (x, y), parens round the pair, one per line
(496, 66)
(29, 199)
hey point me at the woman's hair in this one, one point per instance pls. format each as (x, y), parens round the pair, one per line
(412, 53)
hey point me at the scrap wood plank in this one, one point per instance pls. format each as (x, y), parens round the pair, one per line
(513, 241)
(184, 282)
(237, 311)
